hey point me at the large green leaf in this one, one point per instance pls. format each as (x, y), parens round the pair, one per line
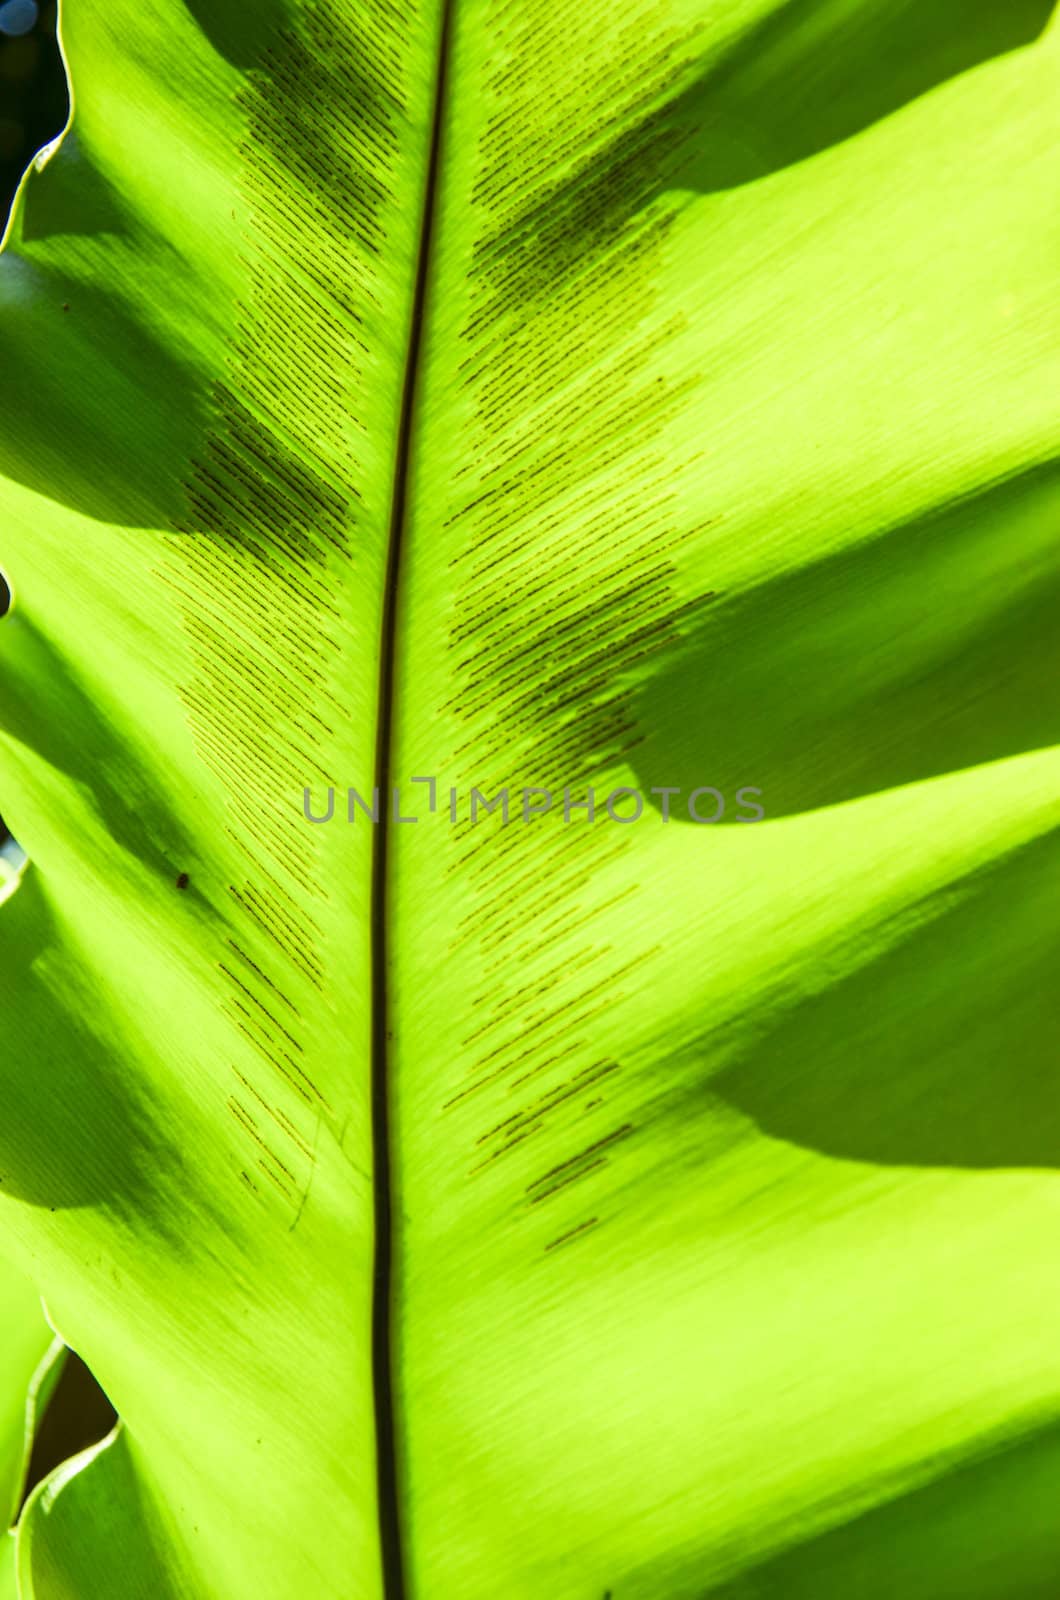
(543, 397)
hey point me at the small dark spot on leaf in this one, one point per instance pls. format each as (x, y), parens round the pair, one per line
(66, 305)
(182, 880)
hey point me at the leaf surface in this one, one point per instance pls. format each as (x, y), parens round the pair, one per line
(24, 1341)
(658, 398)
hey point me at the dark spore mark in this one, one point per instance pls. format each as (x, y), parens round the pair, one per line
(66, 305)
(182, 880)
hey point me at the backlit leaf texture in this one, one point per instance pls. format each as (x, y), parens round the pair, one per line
(550, 397)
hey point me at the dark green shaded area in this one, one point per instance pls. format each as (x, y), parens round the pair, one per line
(984, 1529)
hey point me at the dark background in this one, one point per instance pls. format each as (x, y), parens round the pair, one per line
(33, 99)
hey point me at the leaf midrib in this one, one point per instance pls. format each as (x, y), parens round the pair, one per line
(384, 1332)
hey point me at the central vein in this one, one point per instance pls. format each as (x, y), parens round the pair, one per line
(383, 1301)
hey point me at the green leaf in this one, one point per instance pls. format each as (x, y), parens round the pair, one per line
(8, 1579)
(88, 1529)
(25, 1341)
(539, 398)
